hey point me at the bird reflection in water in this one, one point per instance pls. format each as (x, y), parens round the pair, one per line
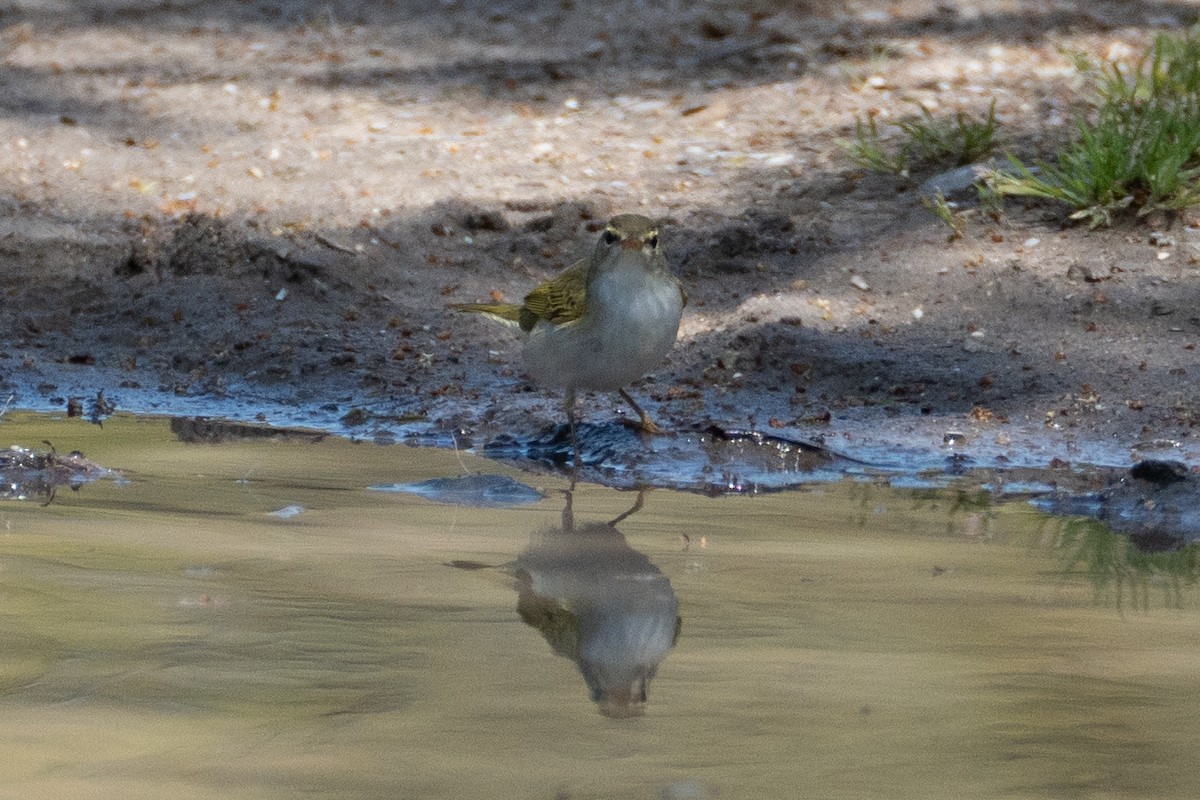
(603, 605)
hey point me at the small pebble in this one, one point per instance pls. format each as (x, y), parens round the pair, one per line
(287, 512)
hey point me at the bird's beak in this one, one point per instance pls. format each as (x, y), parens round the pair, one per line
(632, 244)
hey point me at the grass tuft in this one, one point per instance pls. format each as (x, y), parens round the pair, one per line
(957, 142)
(1141, 150)
(867, 150)
(929, 142)
(947, 212)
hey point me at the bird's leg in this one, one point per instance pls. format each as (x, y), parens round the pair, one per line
(647, 424)
(569, 403)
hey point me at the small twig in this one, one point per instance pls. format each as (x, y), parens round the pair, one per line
(334, 245)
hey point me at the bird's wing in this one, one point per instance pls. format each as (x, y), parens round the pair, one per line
(559, 300)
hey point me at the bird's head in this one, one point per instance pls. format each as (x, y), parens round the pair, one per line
(628, 235)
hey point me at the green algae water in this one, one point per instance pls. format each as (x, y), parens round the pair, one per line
(249, 620)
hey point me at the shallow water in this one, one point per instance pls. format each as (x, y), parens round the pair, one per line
(171, 635)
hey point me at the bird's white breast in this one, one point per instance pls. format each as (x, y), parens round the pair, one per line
(632, 321)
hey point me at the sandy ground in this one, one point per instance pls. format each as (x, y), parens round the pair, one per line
(263, 210)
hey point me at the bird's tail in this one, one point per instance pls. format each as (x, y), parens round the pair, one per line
(507, 313)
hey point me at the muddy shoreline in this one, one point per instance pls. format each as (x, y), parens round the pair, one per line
(287, 255)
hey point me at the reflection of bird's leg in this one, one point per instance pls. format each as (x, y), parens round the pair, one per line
(637, 506)
(647, 424)
(568, 516)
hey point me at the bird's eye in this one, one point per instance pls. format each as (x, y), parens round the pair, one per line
(610, 237)
(652, 240)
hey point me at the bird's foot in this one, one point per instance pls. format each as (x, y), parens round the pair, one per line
(644, 425)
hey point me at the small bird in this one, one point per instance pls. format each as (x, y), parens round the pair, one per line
(604, 321)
